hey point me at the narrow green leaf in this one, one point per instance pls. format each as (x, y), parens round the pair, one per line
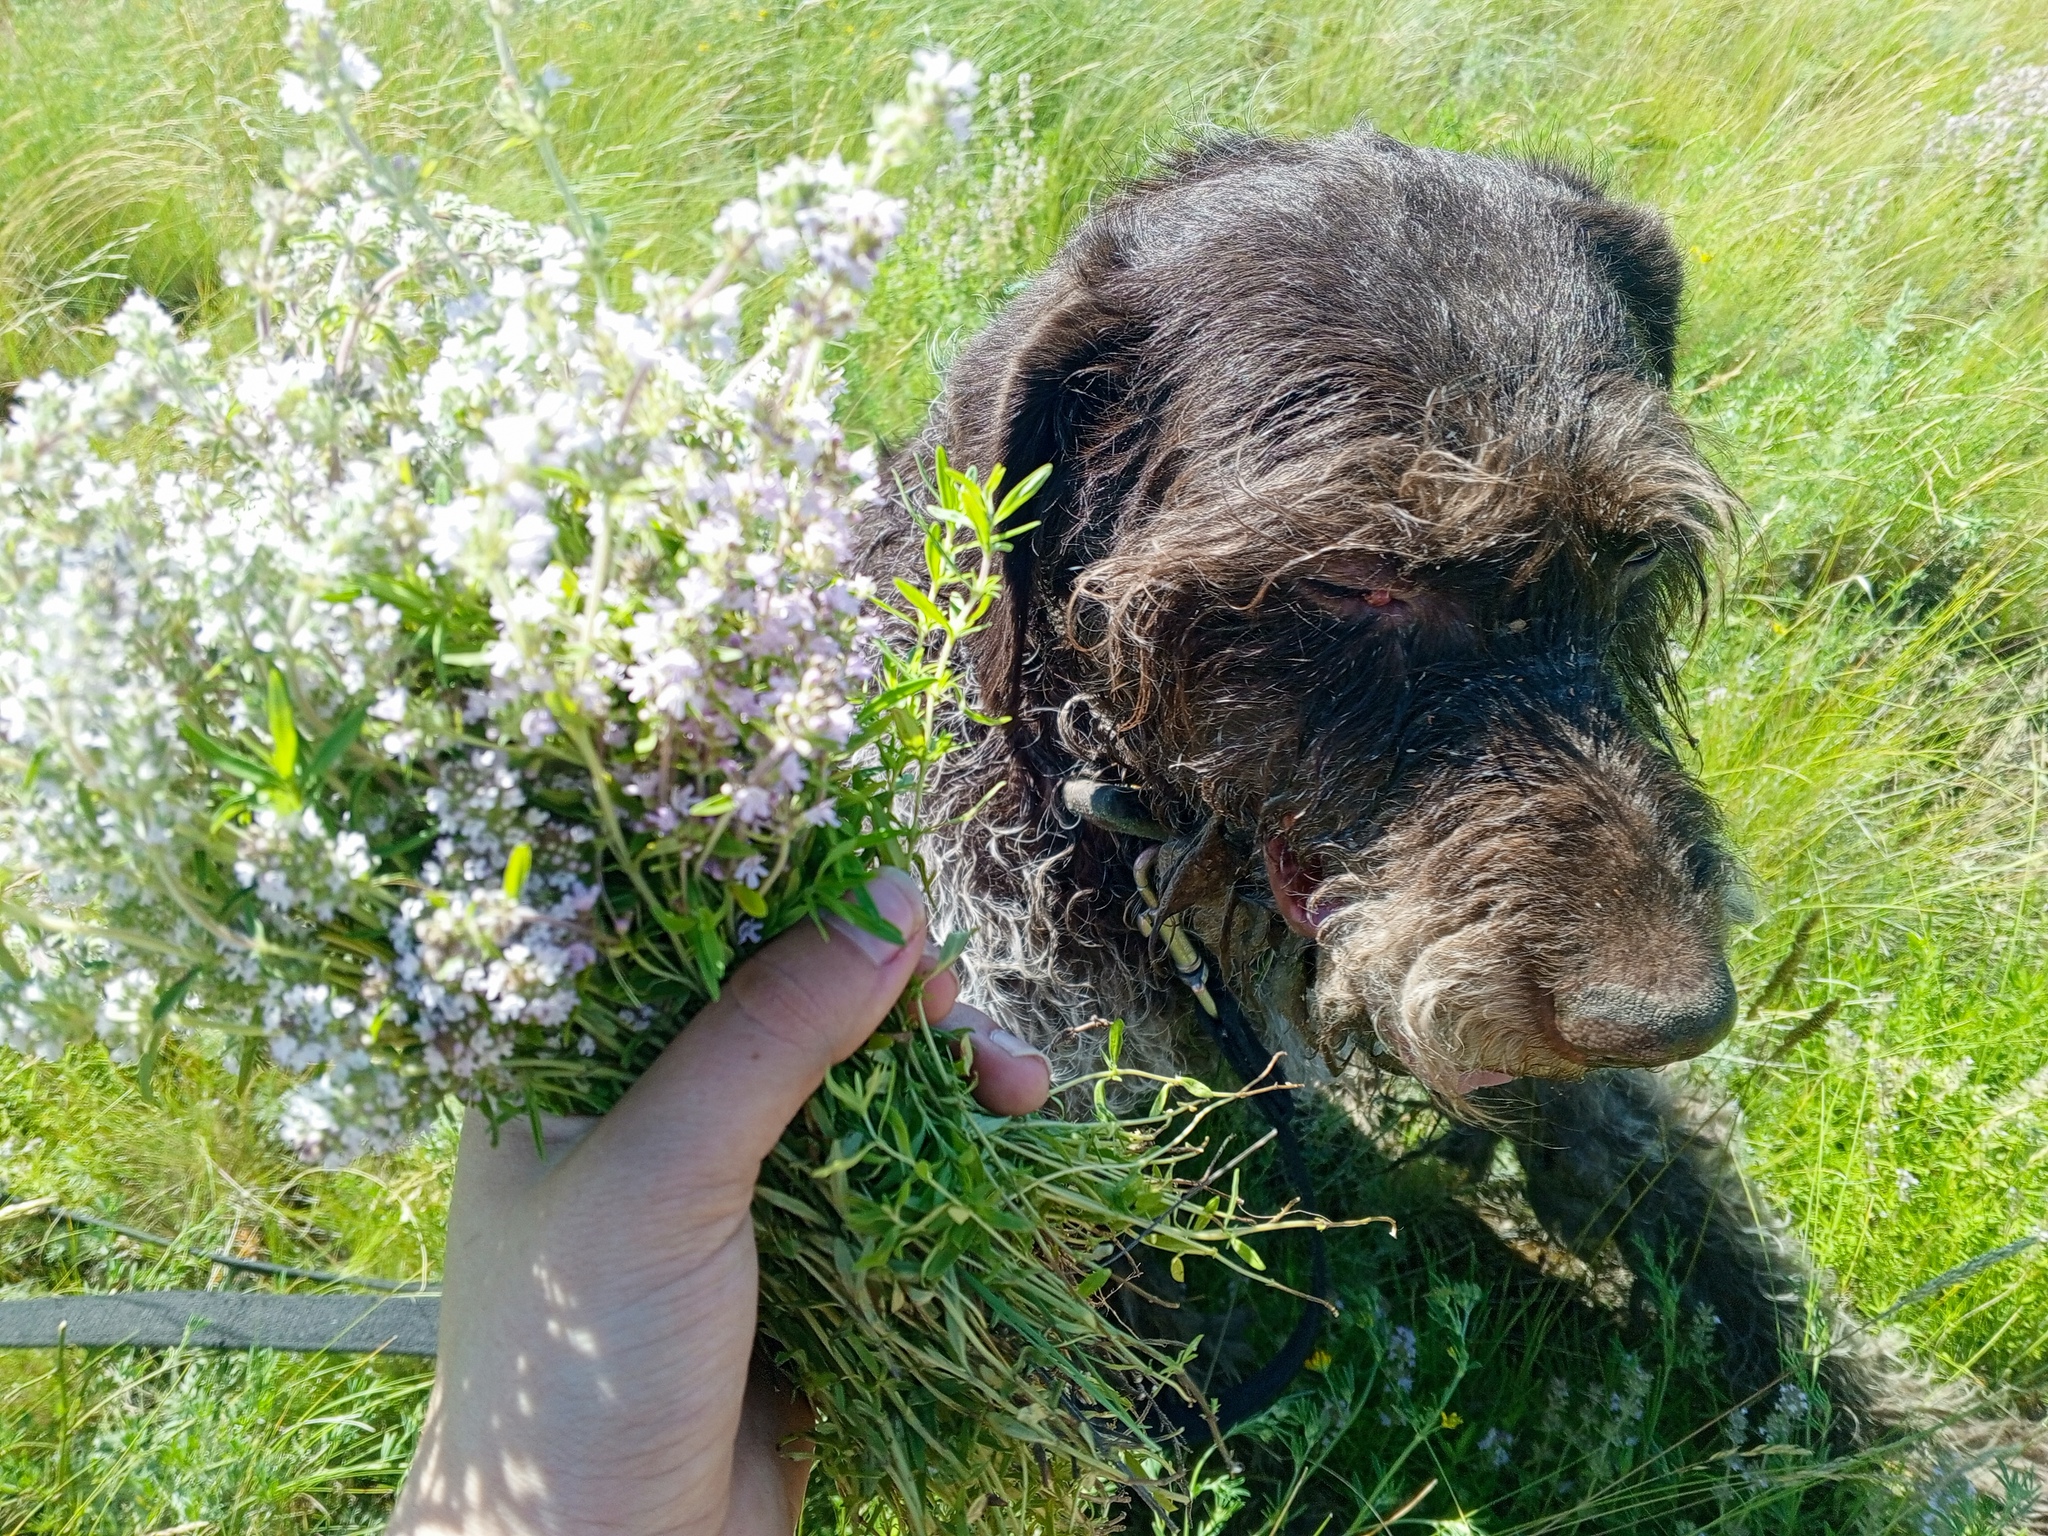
(174, 994)
(145, 1066)
(245, 1069)
(337, 741)
(711, 953)
(1020, 493)
(225, 759)
(926, 608)
(284, 736)
(233, 806)
(859, 908)
(976, 510)
(517, 868)
(901, 691)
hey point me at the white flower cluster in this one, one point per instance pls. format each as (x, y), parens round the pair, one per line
(2004, 135)
(442, 686)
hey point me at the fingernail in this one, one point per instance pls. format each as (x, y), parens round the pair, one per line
(1014, 1045)
(898, 897)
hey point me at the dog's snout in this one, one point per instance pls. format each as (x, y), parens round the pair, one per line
(1619, 1024)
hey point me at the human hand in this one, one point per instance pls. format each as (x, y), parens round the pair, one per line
(598, 1305)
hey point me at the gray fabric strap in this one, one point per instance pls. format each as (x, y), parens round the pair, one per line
(391, 1325)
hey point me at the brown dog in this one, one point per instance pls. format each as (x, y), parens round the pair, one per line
(1369, 528)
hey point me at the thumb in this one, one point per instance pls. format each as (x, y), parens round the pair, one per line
(716, 1101)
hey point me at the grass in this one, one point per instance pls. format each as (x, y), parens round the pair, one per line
(1865, 350)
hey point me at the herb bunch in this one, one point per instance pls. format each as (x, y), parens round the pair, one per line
(445, 691)
(439, 697)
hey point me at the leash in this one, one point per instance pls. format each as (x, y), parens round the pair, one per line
(1118, 810)
(341, 1325)
(402, 1321)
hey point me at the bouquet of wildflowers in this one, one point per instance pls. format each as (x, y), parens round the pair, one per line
(448, 688)
(440, 695)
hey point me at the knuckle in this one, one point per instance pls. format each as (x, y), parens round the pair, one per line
(795, 1010)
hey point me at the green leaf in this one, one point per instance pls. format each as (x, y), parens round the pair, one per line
(926, 608)
(174, 994)
(711, 953)
(337, 741)
(284, 736)
(517, 868)
(145, 1066)
(225, 759)
(1095, 1281)
(900, 692)
(968, 503)
(1020, 493)
(859, 908)
(233, 806)
(245, 1069)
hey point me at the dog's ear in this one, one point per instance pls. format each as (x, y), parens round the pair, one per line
(1036, 388)
(1633, 248)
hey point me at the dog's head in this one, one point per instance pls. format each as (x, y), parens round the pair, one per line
(1369, 526)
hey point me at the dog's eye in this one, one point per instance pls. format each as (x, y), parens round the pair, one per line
(1383, 603)
(1640, 561)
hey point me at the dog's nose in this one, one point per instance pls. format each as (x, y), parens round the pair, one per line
(1619, 1025)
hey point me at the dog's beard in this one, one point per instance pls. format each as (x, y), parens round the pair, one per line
(1450, 999)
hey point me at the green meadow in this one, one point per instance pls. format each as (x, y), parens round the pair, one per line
(1862, 188)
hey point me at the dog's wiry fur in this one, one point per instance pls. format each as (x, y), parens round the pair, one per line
(1369, 530)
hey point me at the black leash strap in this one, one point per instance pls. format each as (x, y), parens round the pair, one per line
(1234, 1036)
(1255, 1066)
